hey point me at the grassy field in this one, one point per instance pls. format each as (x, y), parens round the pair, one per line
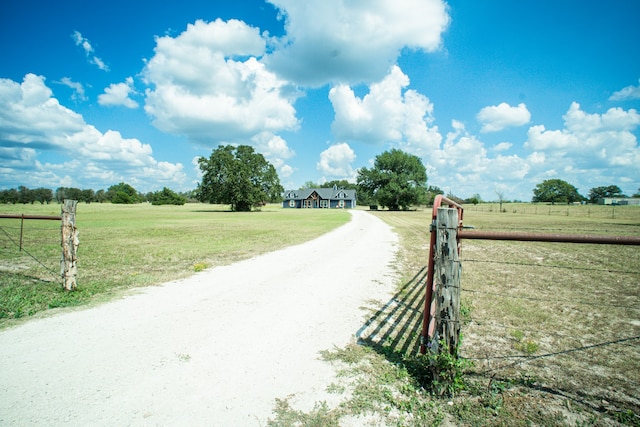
(127, 246)
(552, 330)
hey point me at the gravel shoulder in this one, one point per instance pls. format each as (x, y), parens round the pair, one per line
(215, 349)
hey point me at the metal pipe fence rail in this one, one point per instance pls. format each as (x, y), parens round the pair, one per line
(41, 244)
(578, 322)
(69, 240)
(429, 324)
(549, 237)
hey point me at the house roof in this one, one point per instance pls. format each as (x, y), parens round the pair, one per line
(323, 193)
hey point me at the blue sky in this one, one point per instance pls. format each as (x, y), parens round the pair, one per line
(493, 96)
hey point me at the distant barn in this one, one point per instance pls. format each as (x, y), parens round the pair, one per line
(320, 198)
(619, 201)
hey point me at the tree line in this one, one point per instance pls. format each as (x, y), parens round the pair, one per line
(244, 179)
(121, 193)
(560, 191)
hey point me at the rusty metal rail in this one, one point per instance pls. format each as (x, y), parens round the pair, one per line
(22, 216)
(545, 237)
(427, 324)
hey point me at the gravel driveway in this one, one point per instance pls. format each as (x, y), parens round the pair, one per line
(215, 349)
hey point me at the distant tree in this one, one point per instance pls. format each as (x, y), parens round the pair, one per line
(309, 184)
(60, 194)
(500, 195)
(100, 196)
(123, 193)
(87, 196)
(396, 180)
(190, 196)
(25, 195)
(166, 197)
(238, 176)
(637, 194)
(63, 193)
(431, 193)
(9, 196)
(604, 192)
(556, 191)
(340, 183)
(475, 199)
(43, 195)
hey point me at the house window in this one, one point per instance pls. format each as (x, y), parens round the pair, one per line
(307, 203)
(324, 203)
(341, 204)
(292, 203)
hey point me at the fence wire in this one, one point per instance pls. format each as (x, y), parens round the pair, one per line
(570, 321)
(32, 250)
(559, 319)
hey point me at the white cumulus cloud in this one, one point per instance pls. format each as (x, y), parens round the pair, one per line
(388, 113)
(591, 150)
(626, 93)
(276, 150)
(591, 139)
(344, 41)
(336, 161)
(118, 94)
(33, 124)
(207, 83)
(498, 117)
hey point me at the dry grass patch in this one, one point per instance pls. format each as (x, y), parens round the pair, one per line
(552, 329)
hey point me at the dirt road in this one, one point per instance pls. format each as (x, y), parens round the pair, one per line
(214, 349)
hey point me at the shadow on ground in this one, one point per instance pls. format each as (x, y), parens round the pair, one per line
(395, 327)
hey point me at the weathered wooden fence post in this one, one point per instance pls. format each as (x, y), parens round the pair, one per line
(446, 278)
(70, 244)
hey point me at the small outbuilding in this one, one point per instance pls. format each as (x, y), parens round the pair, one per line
(619, 201)
(320, 198)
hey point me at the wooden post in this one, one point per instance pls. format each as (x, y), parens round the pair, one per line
(446, 278)
(70, 244)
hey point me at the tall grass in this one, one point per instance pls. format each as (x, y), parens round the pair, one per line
(126, 246)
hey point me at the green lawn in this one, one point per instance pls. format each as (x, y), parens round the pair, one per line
(126, 246)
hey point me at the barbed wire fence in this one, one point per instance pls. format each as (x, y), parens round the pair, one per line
(30, 248)
(34, 245)
(561, 320)
(572, 330)
(560, 209)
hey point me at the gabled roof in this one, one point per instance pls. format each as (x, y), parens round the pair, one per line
(323, 193)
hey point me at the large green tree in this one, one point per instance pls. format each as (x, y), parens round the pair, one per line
(238, 176)
(396, 180)
(166, 197)
(603, 192)
(123, 193)
(556, 191)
